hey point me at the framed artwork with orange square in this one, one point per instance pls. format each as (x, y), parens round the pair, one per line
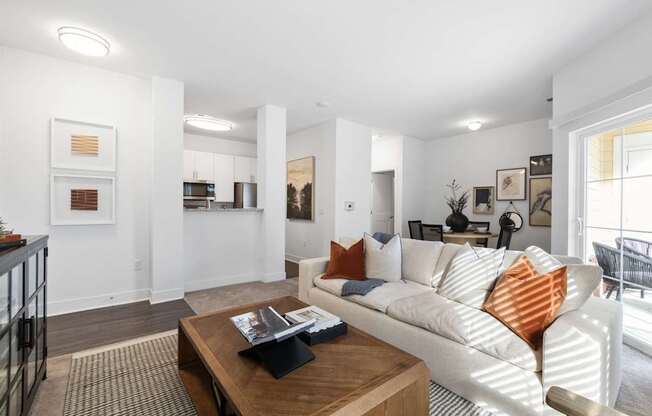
(82, 145)
(81, 199)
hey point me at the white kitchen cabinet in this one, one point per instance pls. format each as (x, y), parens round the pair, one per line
(224, 177)
(245, 169)
(198, 166)
(188, 165)
(204, 170)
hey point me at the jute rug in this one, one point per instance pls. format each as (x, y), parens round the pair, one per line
(141, 379)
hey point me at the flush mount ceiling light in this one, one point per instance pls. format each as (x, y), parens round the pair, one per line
(205, 122)
(474, 125)
(84, 41)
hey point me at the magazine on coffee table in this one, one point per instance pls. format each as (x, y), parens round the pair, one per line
(266, 325)
(323, 319)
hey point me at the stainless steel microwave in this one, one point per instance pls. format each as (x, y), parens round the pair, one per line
(199, 190)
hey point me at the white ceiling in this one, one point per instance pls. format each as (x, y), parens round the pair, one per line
(422, 68)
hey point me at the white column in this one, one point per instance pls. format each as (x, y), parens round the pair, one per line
(271, 190)
(166, 202)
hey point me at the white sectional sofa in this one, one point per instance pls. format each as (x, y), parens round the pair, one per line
(471, 353)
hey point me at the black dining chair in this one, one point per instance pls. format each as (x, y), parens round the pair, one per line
(474, 225)
(416, 231)
(505, 236)
(432, 232)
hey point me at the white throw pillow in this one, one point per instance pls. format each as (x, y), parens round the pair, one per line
(419, 259)
(383, 261)
(471, 275)
(580, 285)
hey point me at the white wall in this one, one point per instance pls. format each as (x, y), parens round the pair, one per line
(352, 178)
(472, 159)
(166, 215)
(612, 79)
(217, 145)
(414, 168)
(90, 266)
(307, 239)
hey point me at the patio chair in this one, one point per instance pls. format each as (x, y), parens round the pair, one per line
(637, 269)
(635, 246)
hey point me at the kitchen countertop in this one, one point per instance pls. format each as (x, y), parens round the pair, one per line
(217, 209)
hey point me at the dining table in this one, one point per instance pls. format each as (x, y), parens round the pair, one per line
(471, 237)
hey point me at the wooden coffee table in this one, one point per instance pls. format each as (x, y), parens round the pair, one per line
(355, 374)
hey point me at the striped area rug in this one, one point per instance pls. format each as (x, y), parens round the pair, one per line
(140, 379)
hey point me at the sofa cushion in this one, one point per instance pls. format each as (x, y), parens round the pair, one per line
(526, 301)
(419, 259)
(379, 298)
(465, 325)
(383, 261)
(346, 263)
(579, 286)
(471, 275)
(448, 252)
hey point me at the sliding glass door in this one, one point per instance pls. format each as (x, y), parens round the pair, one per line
(617, 221)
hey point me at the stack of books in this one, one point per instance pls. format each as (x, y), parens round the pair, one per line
(266, 325)
(327, 326)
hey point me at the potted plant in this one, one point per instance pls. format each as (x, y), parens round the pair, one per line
(457, 202)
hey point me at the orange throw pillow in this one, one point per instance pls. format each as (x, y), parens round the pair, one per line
(526, 301)
(346, 263)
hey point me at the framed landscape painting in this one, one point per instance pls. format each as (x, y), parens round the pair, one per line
(540, 165)
(483, 200)
(510, 184)
(541, 202)
(300, 189)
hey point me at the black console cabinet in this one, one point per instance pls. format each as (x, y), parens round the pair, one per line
(23, 324)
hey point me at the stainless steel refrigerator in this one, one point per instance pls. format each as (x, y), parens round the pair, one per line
(245, 195)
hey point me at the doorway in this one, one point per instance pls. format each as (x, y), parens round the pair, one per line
(382, 202)
(616, 224)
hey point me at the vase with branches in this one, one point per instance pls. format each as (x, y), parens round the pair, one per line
(457, 200)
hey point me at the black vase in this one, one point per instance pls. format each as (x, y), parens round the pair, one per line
(458, 222)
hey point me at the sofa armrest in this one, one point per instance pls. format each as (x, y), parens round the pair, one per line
(308, 269)
(582, 351)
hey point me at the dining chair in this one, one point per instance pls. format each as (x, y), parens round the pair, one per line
(432, 232)
(505, 236)
(474, 225)
(416, 231)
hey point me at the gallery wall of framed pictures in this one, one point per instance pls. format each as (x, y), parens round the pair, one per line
(513, 184)
(83, 169)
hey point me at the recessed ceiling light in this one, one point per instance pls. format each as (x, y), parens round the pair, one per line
(205, 122)
(84, 41)
(474, 125)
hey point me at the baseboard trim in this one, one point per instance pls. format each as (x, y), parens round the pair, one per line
(61, 307)
(294, 259)
(160, 296)
(274, 276)
(195, 285)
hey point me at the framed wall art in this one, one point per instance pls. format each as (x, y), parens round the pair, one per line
(80, 145)
(300, 189)
(541, 202)
(510, 184)
(483, 200)
(79, 199)
(540, 165)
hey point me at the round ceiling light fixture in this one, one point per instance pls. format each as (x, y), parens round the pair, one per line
(84, 41)
(474, 125)
(204, 122)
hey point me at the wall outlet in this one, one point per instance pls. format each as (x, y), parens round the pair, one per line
(349, 205)
(138, 265)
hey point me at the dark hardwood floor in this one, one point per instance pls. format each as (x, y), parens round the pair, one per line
(291, 269)
(79, 331)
